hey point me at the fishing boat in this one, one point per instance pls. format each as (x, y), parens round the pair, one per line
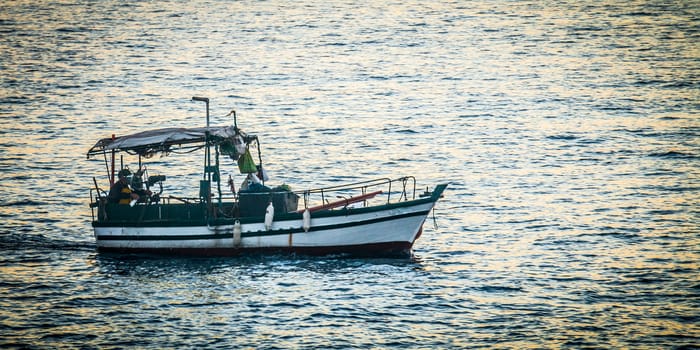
(378, 217)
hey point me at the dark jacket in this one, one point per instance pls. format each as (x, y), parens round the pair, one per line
(119, 193)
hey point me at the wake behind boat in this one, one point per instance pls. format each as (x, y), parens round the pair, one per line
(371, 218)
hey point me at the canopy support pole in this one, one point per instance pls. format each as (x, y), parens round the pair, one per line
(111, 178)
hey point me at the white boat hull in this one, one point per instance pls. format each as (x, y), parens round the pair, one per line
(392, 230)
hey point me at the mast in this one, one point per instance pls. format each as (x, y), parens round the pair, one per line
(205, 183)
(209, 169)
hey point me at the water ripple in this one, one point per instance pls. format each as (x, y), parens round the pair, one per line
(568, 132)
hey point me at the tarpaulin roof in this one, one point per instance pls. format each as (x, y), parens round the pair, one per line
(149, 142)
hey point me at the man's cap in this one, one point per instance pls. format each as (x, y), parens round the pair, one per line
(124, 173)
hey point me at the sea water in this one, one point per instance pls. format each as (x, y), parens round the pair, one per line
(569, 133)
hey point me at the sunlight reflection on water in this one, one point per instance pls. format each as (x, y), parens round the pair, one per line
(569, 134)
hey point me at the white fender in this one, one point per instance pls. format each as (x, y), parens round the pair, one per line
(269, 214)
(306, 222)
(237, 233)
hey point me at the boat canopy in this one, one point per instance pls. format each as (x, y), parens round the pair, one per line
(151, 142)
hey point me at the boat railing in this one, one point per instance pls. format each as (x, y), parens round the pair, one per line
(331, 197)
(98, 201)
(98, 197)
(368, 189)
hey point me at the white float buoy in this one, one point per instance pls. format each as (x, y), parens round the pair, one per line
(237, 233)
(306, 222)
(269, 214)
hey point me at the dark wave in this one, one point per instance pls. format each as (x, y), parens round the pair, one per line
(566, 137)
(32, 242)
(682, 85)
(73, 29)
(499, 289)
(25, 202)
(673, 155)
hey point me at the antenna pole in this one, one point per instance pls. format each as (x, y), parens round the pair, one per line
(205, 100)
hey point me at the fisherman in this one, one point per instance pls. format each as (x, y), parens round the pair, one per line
(136, 185)
(121, 192)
